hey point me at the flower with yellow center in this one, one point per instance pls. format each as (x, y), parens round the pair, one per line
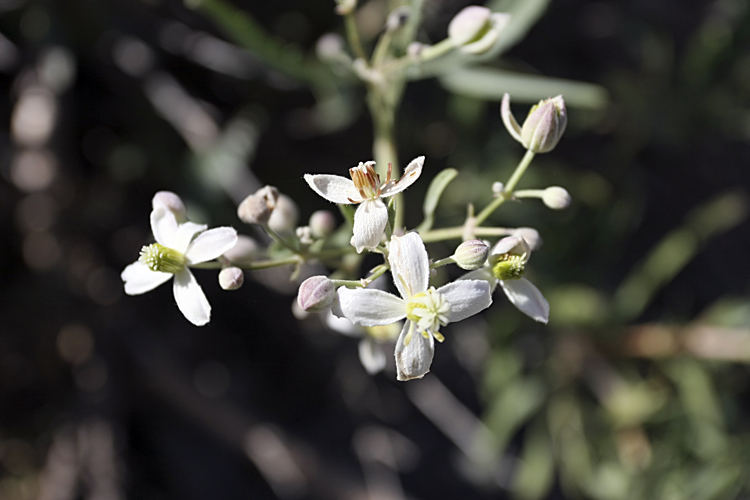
(506, 266)
(178, 246)
(366, 190)
(425, 308)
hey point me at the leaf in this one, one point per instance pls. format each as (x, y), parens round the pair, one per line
(492, 83)
(434, 192)
(536, 474)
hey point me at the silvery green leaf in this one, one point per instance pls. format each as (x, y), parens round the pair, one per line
(492, 83)
(431, 199)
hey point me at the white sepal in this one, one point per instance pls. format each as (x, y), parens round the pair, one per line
(211, 244)
(481, 274)
(370, 220)
(190, 298)
(334, 188)
(527, 298)
(411, 174)
(371, 355)
(163, 226)
(371, 307)
(466, 298)
(509, 120)
(410, 264)
(413, 359)
(140, 279)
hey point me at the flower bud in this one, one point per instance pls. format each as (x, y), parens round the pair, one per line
(244, 251)
(471, 254)
(475, 29)
(556, 198)
(285, 215)
(544, 126)
(330, 47)
(171, 202)
(322, 223)
(304, 235)
(316, 294)
(231, 278)
(257, 208)
(497, 188)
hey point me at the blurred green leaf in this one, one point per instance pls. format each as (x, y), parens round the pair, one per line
(516, 403)
(431, 199)
(676, 250)
(492, 83)
(536, 474)
(523, 15)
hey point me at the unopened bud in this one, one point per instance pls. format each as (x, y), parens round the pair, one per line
(316, 294)
(257, 208)
(171, 202)
(556, 198)
(544, 126)
(231, 278)
(285, 215)
(322, 223)
(471, 254)
(244, 251)
(475, 29)
(497, 188)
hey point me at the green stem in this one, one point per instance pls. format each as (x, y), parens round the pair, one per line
(442, 262)
(456, 233)
(353, 36)
(508, 189)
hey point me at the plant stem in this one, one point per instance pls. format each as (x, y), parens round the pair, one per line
(508, 190)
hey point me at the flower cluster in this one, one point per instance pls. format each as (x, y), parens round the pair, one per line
(414, 317)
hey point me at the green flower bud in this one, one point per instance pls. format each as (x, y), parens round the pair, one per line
(316, 294)
(162, 259)
(231, 278)
(471, 254)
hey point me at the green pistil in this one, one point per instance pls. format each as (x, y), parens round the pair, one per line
(162, 259)
(509, 267)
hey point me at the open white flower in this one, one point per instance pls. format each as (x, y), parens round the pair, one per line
(176, 249)
(506, 266)
(425, 308)
(365, 189)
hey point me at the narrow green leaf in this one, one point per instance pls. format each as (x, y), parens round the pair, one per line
(492, 83)
(536, 474)
(434, 192)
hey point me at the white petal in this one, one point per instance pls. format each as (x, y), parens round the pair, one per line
(466, 297)
(410, 264)
(371, 355)
(190, 298)
(509, 120)
(527, 298)
(369, 224)
(483, 273)
(507, 244)
(211, 244)
(371, 307)
(343, 325)
(140, 279)
(185, 233)
(334, 188)
(413, 360)
(164, 226)
(411, 174)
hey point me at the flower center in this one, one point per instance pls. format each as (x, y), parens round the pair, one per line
(509, 266)
(429, 310)
(162, 259)
(367, 181)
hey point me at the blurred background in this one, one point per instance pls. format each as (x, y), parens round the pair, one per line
(638, 388)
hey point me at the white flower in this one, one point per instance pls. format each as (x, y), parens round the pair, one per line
(425, 308)
(506, 265)
(365, 189)
(177, 247)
